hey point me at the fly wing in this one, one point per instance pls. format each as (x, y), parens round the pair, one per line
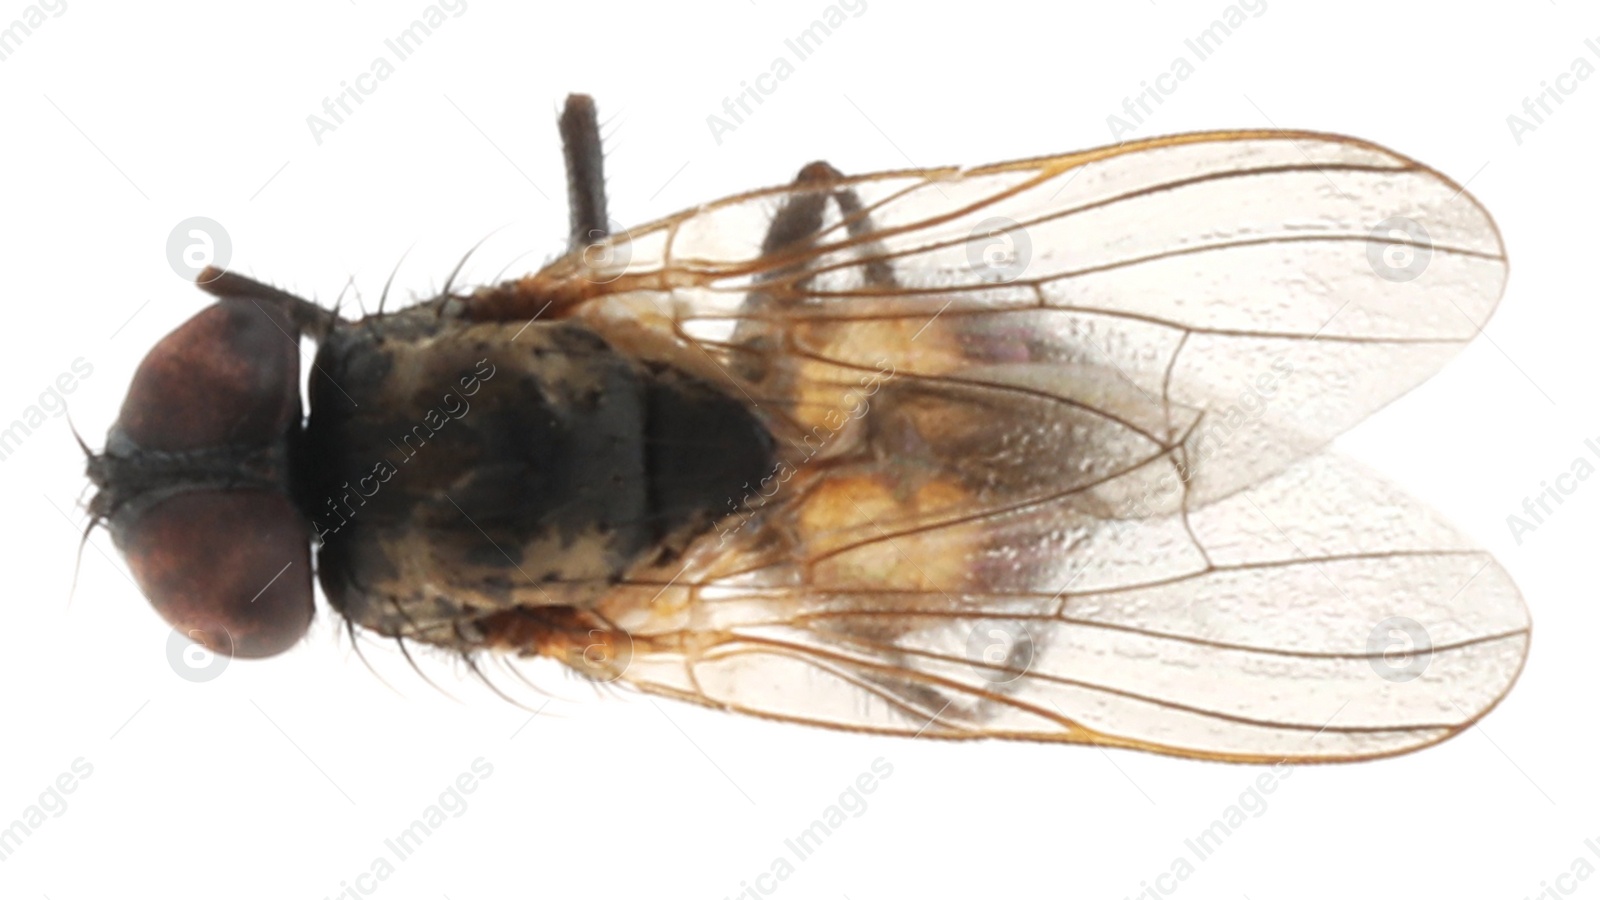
(1050, 458)
(1320, 616)
(1244, 295)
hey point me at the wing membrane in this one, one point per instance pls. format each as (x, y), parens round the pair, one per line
(1175, 276)
(1052, 459)
(1320, 616)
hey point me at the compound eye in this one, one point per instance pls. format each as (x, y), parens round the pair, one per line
(228, 376)
(230, 568)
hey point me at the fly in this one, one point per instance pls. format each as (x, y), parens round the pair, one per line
(1034, 450)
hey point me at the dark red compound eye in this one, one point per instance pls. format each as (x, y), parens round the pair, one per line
(232, 569)
(197, 482)
(227, 377)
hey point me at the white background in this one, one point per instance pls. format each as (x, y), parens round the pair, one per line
(282, 778)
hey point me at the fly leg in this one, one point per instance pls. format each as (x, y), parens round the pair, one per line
(800, 221)
(835, 378)
(793, 235)
(586, 182)
(527, 298)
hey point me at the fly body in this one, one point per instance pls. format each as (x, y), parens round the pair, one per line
(1034, 450)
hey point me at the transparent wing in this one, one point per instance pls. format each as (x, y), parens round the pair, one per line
(1050, 457)
(1246, 294)
(1322, 615)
